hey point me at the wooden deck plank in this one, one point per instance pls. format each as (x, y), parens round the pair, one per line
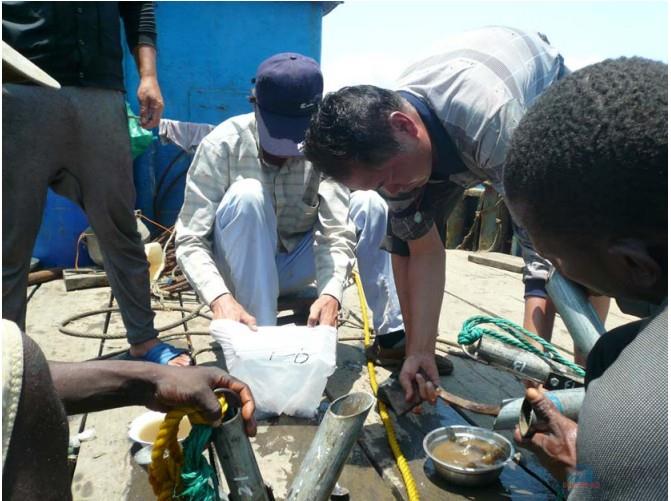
(498, 260)
(105, 467)
(281, 445)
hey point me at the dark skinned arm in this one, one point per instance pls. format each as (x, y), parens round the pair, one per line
(554, 442)
(100, 385)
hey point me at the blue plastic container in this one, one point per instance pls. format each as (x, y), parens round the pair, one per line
(56, 244)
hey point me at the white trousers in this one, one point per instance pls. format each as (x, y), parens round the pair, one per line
(245, 251)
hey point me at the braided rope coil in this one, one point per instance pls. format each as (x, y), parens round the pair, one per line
(513, 335)
(168, 458)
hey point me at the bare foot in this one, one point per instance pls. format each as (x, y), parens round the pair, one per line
(140, 349)
(183, 360)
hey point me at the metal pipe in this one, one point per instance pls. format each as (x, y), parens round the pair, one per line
(238, 461)
(520, 362)
(330, 448)
(568, 404)
(567, 401)
(580, 318)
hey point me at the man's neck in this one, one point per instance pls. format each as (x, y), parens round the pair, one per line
(445, 157)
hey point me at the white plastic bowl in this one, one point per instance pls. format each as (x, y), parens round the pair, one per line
(143, 420)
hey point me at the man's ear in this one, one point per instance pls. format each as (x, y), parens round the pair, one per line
(403, 124)
(637, 265)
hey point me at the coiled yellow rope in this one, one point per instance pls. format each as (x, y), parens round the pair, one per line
(401, 462)
(164, 470)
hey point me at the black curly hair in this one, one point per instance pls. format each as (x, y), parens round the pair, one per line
(591, 155)
(351, 125)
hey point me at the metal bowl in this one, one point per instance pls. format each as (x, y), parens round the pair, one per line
(468, 476)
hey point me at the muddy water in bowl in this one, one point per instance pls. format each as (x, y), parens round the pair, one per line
(468, 455)
(468, 452)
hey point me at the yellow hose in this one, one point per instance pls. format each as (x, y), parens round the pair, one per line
(401, 462)
(164, 470)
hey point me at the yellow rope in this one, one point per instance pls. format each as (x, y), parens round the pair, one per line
(164, 470)
(401, 462)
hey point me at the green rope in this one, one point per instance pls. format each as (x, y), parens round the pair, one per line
(198, 477)
(472, 332)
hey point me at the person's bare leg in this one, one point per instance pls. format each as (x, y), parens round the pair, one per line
(602, 305)
(539, 317)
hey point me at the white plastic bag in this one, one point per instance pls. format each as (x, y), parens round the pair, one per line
(285, 367)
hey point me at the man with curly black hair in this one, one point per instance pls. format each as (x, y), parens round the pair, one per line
(587, 176)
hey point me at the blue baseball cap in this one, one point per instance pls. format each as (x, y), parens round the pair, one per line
(288, 87)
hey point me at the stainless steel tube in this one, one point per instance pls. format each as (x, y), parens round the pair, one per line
(330, 448)
(238, 461)
(580, 318)
(521, 363)
(567, 401)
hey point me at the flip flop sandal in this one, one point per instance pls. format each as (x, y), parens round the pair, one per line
(162, 353)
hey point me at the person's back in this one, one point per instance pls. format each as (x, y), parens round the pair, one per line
(627, 408)
(480, 85)
(77, 43)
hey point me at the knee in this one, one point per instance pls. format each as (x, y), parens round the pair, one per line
(246, 196)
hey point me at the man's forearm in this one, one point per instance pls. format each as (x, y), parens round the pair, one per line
(105, 384)
(426, 277)
(145, 60)
(399, 265)
(426, 283)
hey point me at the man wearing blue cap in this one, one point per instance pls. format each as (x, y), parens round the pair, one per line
(259, 221)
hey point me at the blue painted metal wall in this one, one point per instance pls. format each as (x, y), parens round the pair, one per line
(208, 53)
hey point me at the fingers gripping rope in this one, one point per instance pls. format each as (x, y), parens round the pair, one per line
(168, 460)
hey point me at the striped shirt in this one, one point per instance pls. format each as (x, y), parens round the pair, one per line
(479, 88)
(302, 199)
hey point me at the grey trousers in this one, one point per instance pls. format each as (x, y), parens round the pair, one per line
(74, 140)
